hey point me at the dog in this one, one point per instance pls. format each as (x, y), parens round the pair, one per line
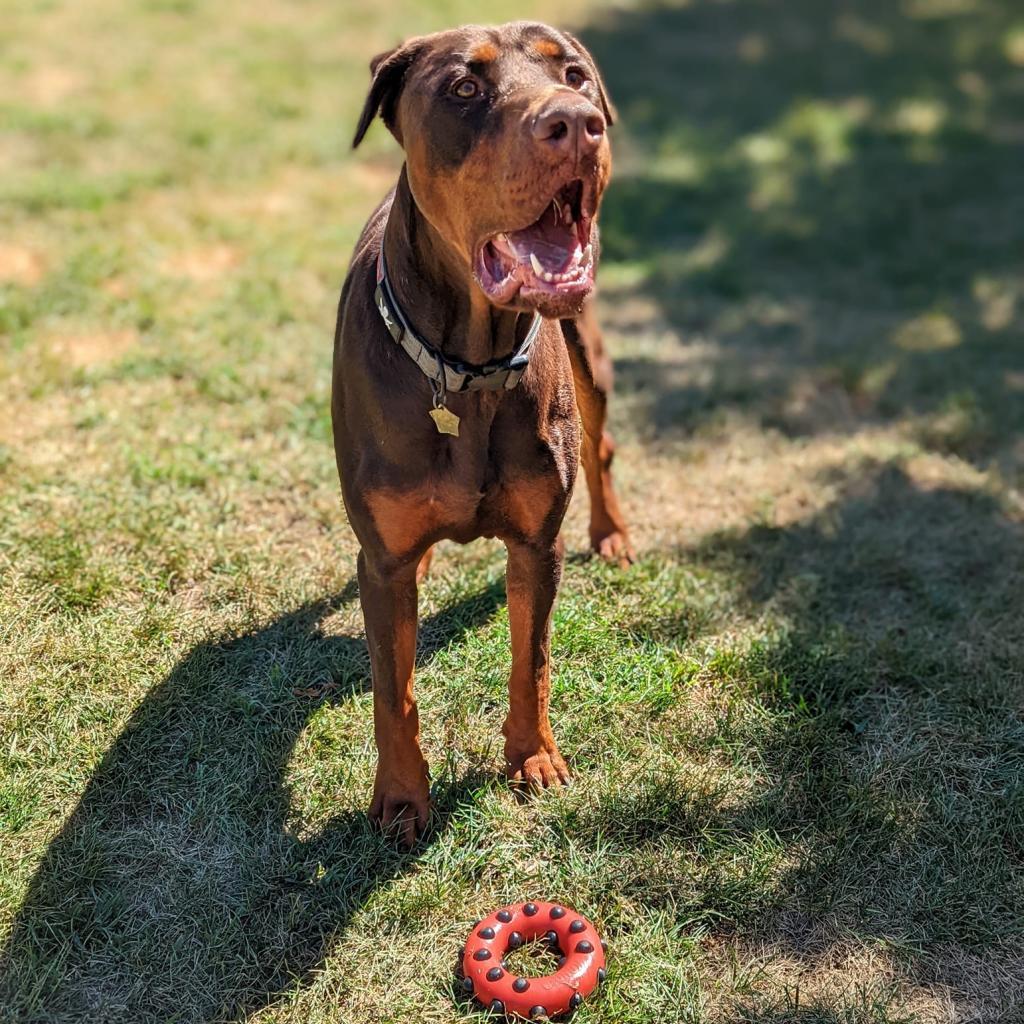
(469, 373)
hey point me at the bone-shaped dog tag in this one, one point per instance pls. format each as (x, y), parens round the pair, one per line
(445, 420)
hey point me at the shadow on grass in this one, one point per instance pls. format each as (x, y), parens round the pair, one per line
(176, 890)
(826, 202)
(823, 203)
(879, 727)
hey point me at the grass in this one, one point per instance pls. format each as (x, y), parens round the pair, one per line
(795, 726)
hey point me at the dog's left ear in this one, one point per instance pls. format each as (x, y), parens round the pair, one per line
(388, 70)
(610, 113)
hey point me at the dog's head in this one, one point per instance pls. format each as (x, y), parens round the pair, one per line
(506, 142)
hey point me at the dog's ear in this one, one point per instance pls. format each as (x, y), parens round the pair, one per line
(610, 113)
(388, 71)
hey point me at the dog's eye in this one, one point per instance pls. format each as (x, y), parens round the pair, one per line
(465, 88)
(576, 78)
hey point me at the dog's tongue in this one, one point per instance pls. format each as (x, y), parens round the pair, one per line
(549, 239)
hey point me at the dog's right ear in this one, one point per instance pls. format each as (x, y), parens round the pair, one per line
(388, 70)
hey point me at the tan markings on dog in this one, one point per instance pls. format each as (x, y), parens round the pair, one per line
(527, 504)
(484, 54)
(404, 518)
(548, 48)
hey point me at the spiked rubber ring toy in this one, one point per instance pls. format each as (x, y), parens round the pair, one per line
(581, 964)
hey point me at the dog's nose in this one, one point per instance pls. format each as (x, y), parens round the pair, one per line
(570, 126)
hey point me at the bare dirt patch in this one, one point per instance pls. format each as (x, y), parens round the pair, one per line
(117, 286)
(206, 263)
(50, 84)
(91, 348)
(20, 265)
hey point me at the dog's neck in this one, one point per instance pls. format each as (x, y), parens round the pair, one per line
(436, 292)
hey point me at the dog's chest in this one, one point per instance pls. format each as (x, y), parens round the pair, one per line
(514, 484)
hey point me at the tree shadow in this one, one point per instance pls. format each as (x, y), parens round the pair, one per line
(821, 204)
(825, 202)
(177, 889)
(882, 723)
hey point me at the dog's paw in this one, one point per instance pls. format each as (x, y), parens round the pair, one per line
(534, 769)
(401, 804)
(614, 547)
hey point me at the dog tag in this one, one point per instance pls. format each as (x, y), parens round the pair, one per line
(445, 420)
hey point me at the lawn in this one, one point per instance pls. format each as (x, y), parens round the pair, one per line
(796, 725)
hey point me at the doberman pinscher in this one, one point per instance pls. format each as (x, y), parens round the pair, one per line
(467, 360)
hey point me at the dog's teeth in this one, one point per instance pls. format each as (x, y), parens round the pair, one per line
(567, 213)
(548, 276)
(588, 253)
(554, 203)
(538, 269)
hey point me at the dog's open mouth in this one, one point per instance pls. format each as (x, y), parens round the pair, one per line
(553, 256)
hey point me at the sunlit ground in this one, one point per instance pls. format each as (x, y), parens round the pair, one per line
(796, 725)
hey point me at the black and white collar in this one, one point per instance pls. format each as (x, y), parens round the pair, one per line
(502, 374)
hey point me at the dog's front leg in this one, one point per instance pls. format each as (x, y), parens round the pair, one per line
(531, 754)
(401, 791)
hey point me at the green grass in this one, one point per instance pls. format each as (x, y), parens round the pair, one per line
(795, 726)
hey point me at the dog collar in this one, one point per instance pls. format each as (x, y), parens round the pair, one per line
(445, 375)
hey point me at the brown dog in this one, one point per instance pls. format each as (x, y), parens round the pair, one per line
(461, 333)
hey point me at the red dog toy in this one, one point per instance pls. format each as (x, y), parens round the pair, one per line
(580, 964)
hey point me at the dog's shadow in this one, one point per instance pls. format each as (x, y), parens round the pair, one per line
(176, 890)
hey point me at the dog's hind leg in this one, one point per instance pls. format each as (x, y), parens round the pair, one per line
(531, 580)
(424, 564)
(592, 375)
